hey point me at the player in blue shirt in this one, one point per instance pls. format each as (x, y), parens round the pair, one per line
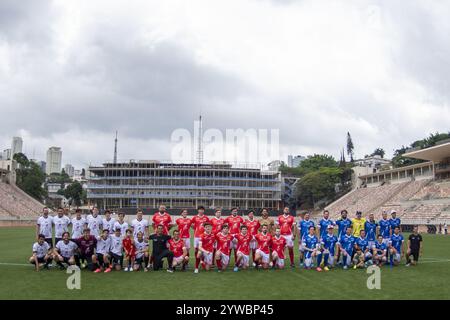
(346, 246)
(396, 247)
(394, 221)
(385, 228)
(379, 251)
(323, 224)
(311, 245)
(371, 230)
(303, 226)
(343, 223)
(328, 244)
(362, 243)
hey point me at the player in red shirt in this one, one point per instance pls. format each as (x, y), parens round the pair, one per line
(234, 223)
(264, 240)
(162, 217)
(179, 250)
(198, 222)
(129, 248)
(206, 247)
(223, 240)
(217, 222)
(253, 227)
(184, 227)
(278, 248)
(287, 228)
(243, 240)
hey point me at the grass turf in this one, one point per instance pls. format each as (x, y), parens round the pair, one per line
(427, 281)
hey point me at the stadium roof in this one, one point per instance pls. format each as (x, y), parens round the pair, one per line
(435, 154)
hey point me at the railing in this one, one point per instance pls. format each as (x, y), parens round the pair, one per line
(159, 196)
(101, 186)
(184, 177)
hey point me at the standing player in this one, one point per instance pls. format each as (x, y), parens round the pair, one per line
(264, 239)
(101, 259)
(222, 256)
(346, 247)
(379, 251)
(279, 244)
(217, 222)
(328, 243)
(323, 224)
(108, 222)
(41, 253)
(129, 249)
(358, 224)
(78, 224)
(371, 227)
(396, 247)
(287, 226)
(44, 226)
(179, 250)
(206, 247)
(198, 222)
(65, 251)
(394, 221)
(268, 221)
(253, 227)
(140, 225)
(415, 247)
(87, 244)
(121, 224)
(61, 223)
(303, 226)
(142, 255)
(311, 245)
(243, 240)
(343, 223)
(162, 217)
(234, 223)
(117, 249)
(184, 226)
(385, 228)
(94, 222)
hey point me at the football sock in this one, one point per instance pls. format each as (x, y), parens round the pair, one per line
(319, 259)
(325, 259)
(291, 255)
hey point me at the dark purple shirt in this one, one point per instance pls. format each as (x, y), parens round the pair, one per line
(87, 246)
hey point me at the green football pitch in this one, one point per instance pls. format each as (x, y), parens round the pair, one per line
(18, 280)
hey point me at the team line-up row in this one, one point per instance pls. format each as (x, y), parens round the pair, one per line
(102, 243)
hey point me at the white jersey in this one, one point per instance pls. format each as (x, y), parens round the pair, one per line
(139, 226)
(61, 225)
(45, 226)
(122, 226)
(108, 224)
(103, 246)
(41, 250)
(116, 245)
(140, 246)
(78, 227)
(94, 223)
(66, 250)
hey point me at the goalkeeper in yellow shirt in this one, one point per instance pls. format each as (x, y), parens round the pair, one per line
(358, 224)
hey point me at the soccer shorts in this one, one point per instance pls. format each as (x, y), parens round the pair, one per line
(265, 256)
(368, 256)
(280, 260)
(178, 260)
(386, 241)
(139, 261)
(379, 257)
(187, 243)
(40, 260)
(331, 259)
(347, 257)
(233, 244)
(289, 241)
(101, 258)
(207, 257)
(253, 244)
(196, 242)
(397, 257)
(244, 260)
(415, 254)
(225, 259)
(116, 259)
(308, 262)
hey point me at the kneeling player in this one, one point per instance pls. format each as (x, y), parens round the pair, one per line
(130, 250)
(142, 256)
(41, 253)
(223, 240)
(379, 251)
(206, 247)
(346, 247)
(396, 247)
(179, 250)
(101, 259)
(244, 240)
(116, 249)
(65, 251)
(311, 246)
(362, 244)
(279, 244)
(264, 240)
(328, 243)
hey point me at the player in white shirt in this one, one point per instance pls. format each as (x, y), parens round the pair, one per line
(44, 225)
(65, 251)
(108, 222)
(139, 225)
(142, 255)
(41, 253)
(121, 224)
(78, 224)
(94, 222)
(117, 250)
(102, 258)
(61, 223)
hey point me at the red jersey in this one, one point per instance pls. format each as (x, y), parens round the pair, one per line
(216, 224)
(162, 219)
(184, 226)
(176, 247)
(264, 242)
(234, 223)
(208, 241)
(244, 243)
(128, 246)
(278, 245)
(286, 224)
(224, 243)
(252, 226)
(198, 222)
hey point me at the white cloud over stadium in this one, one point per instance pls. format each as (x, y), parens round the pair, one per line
(71, 73)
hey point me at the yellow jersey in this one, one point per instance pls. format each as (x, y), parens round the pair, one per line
(358, 225)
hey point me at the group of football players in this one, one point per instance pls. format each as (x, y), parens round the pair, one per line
(104, 243)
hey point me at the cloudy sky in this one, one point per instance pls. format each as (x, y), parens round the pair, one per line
(73, 72)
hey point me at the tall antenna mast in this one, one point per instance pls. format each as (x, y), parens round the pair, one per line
(115, 150)
(200, 141)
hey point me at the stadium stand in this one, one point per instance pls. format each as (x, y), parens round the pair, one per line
(16, 203)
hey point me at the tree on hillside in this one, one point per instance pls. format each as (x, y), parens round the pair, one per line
(74, 193)
(311, 163)
(29, 177)
(378, 152)
(350, 146)
(62, 177)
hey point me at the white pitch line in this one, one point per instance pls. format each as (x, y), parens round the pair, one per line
(15, 264)
(435, 261)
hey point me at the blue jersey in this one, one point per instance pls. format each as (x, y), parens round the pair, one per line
(371, 230)
(343, 224)
(323, 224)
(362, 243)
(394, 223)
(397, 241)
(310, 242)
(380, 247)
(385, 226)
(348, 243)
(304, 226)
(329, 242)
